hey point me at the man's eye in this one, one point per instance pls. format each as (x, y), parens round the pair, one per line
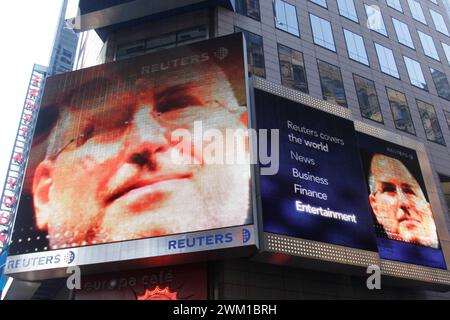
(388, 188)
(177, 103)
(408, 191)
(87, 133)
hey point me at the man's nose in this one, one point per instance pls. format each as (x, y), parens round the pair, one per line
(404, 202)
(146, 138)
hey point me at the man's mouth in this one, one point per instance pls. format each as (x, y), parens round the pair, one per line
(409, 221)
(141, 184)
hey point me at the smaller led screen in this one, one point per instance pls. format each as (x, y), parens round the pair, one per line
(401, 211)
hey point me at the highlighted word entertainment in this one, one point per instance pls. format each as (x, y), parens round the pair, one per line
(299, 206)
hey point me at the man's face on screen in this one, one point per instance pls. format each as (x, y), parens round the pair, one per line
(116, 179)
(399, 203)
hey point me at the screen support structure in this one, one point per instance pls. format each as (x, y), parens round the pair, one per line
(18, 162)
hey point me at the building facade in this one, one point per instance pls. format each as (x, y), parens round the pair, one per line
(386, 61)
(64, 47)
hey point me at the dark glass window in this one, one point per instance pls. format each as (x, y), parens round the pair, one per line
(168, 40)
(430, 122)
(255, 52)
(249, 8)
(286, 17)
(447, 51)
(292, 67)
(332, 84)
(67, 53)
(441, 83)
(447, 117)
(400, 111)
(368, 99)
(131, 49)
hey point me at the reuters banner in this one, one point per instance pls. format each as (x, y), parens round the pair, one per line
(153, 147)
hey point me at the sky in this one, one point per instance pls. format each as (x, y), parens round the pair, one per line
(27, 32)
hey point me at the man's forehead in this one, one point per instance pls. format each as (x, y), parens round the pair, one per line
(386, 169)
(123, 95)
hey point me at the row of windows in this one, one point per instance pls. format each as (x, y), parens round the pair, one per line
(286, 16)
(286, 20)
(293, 75)
(356, 51)
(168, 40)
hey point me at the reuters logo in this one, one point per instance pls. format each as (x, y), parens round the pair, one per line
(69, 257)
(221, 53)
(244, 235)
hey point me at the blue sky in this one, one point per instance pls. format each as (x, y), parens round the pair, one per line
(27, 33)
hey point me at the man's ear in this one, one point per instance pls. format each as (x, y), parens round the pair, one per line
(42, 182)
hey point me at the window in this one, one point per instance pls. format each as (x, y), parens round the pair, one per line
(332, 84)
(415, 73)
(161, 42)
(191, 35)
(439, 22)
(402, 31)
(430, 122)
(131, 49)
(65, 60)
(386, 60)
(395, 4)
(355, 47)
(286, 17)
(67, 53)
(249, 8)
(447, 117)
(322, 32)
(255, 53)
(445, 187)
(416, 11)
(441, 83)
(447, 51)
(292, 68)
(168, 40)
(400, 111)
(347, 9)
(428, 45)
(368, 99)
(322, 3)
(375, 20)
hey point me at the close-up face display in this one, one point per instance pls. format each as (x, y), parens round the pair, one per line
(399, 203)
(125, 157)
(402, 213)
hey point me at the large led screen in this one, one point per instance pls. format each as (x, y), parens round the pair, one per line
(401, 211)
(139, 148)
(318, 192)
